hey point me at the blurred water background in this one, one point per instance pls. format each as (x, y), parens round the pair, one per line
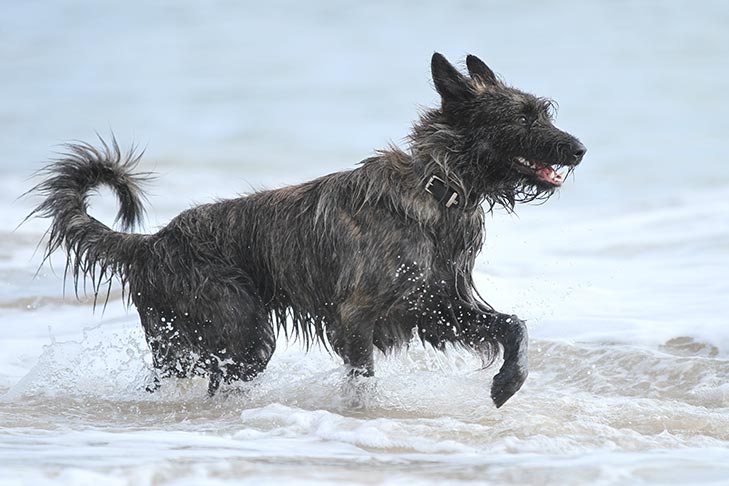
(622, 276)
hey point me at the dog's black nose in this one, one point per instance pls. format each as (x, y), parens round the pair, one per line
(578, 151)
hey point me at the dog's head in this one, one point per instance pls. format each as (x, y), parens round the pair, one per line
(509, 148)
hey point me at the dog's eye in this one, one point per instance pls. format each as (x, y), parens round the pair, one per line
(523, 120)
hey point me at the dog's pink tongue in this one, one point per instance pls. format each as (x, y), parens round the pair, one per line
(547, 174)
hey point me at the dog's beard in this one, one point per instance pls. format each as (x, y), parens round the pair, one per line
(529, 191)
(517, 188)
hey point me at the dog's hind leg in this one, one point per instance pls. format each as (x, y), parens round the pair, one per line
(170, 348)
(222, 331)
(240, 344)
(216, 375)
(153, 384)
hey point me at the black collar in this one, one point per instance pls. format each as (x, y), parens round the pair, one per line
(445, 192)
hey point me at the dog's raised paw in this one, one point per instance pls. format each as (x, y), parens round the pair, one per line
(507, 382)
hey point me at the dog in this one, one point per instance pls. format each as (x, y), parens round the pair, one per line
(356, 260)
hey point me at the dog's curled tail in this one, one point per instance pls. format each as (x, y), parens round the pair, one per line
(94, 251)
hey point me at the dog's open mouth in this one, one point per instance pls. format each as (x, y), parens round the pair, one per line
(542, 172)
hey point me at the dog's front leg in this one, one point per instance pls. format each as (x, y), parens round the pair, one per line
(352, 339)
(511, 333)
(359, 353)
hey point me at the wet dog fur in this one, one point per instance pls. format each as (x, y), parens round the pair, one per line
(357, 260)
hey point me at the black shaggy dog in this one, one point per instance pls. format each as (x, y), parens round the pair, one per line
(355, 259)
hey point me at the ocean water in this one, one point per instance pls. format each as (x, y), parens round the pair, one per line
(622, 276)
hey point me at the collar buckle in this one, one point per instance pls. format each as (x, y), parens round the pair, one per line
(430, 182)
(444, 193)
(453, 200)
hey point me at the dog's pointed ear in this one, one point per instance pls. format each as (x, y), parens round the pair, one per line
(449, 83)
(479, 70)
